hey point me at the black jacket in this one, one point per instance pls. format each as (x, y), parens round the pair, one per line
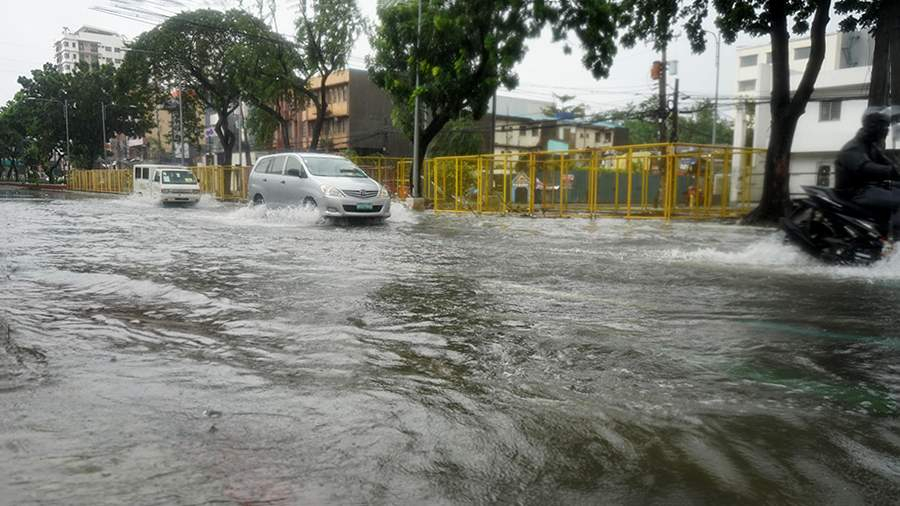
(862, 163)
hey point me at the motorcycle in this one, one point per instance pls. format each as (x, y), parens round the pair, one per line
(836, 230)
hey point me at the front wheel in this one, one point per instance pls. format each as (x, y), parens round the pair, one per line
(309, 203)
(258, 200)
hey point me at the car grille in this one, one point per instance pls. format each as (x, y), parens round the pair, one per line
(352, 209)
(360, 194)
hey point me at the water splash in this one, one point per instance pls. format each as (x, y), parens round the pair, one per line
(772, 253)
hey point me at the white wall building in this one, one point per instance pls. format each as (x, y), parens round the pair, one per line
(832, 116)
(88, 44)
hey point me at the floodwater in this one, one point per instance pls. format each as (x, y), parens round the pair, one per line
(225, 354)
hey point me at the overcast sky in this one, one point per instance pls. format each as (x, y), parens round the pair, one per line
(28, 30)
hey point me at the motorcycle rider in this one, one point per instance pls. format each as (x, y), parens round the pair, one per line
(865, 174)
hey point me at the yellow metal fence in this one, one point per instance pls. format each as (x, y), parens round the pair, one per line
(101, 181)
(652, 180)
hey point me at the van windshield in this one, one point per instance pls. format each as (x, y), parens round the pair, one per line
(178, 177)
(333, 167)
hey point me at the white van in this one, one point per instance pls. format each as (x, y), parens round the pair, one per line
(169, 184)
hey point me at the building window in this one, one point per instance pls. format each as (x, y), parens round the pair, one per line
(534, 131)
(596, 136)
(748, 60)
(748, 85)
(117, 50)
(830, 110)
(522, 129)
(801, 53)
(68, 67)
(65, 44)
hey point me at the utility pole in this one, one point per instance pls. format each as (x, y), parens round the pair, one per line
(180, 124)
(675, 113)
(716, 101)
(103, 121)
(66, 114)
(663, 105)
(416, 191)
(494, 123)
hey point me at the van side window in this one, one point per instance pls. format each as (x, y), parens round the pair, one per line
(156, 177)
(137, 172)
(146, 173)
(293, 163)
(263, 165)
(277, 165)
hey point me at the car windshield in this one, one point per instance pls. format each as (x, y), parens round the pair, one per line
(333, 167)
(178, 177)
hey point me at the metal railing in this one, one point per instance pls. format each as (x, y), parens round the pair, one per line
(391, 172)
(225, 183)
(667, 181)
(653, 180)
(100, 181)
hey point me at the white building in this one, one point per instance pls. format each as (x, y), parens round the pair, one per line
(832, 116)
(91, 45)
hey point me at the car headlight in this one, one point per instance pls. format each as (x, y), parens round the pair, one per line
(166, 190)
(383, 192)
(331, 191)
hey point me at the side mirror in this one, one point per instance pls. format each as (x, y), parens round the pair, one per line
(293, 172)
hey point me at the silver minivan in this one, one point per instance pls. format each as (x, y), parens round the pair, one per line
(332, 184)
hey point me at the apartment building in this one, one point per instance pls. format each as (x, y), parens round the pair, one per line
(358, 118)
(88, 44)
(832, 116)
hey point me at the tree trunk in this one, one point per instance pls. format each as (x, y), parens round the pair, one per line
(225, 135)
(886, 59)
(428, 135)
(321, 110)
(786, 110)
(285, 134)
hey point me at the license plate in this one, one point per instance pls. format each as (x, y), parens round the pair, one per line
(363, 207)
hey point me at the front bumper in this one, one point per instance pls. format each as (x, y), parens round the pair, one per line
(348, 207)
(179, 198)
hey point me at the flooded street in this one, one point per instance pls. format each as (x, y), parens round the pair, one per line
(226, 354)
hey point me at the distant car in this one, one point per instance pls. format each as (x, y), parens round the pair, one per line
(331, 184)
(170, 184)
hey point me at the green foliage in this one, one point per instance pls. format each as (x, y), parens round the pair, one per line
(48, 95)
(262, 126)
(860, 14)
(13, 135)
(203, 51)
(326, 32)
(757, 18)
(694, 124)
(459, 138)
(469, 48)
(593, 22)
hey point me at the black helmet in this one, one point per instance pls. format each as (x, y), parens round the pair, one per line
(876, 123)
(876, 117)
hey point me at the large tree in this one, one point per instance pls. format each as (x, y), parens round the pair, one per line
(88, 98)
(466, 50)
(326, 32)
(202, 51)
(778, 20)
(13, 135)
(882, 19)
